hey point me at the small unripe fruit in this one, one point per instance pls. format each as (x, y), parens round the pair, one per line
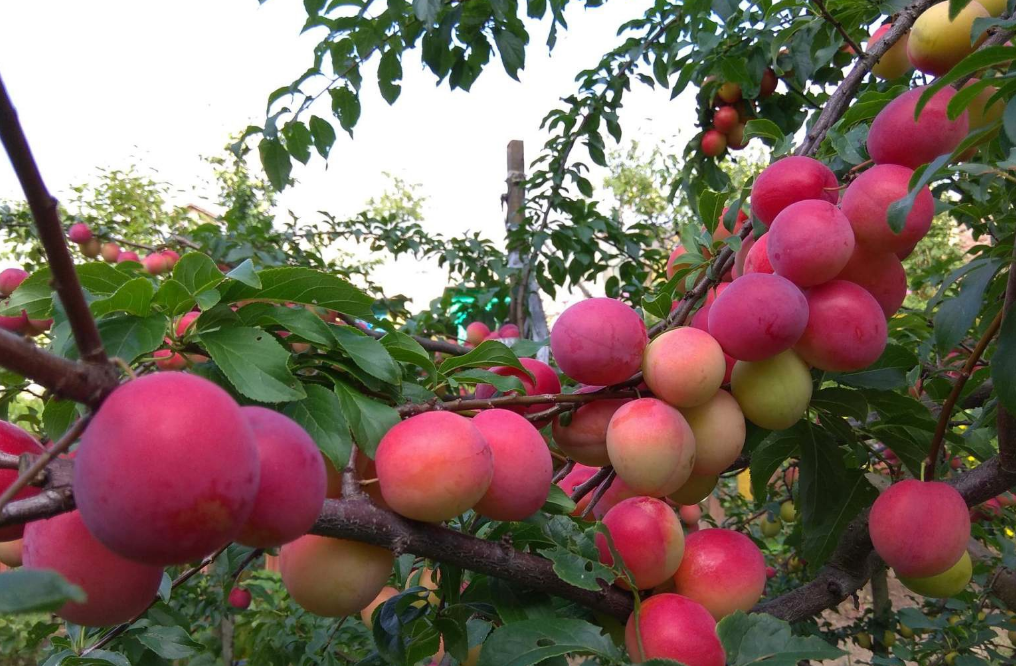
(333, 577)
(863, 640)
(117, 589)
(788, 512)
(651, 447)
(110, 252)
(647, 535)
(714, 143)
(770, 528)
(674, 627)
(291, 490)
(773, 393)
(91, 248)
(79, 233)
(770, 572)
(433, 466)
(950, 658)
(729, 92)
(599, 341)
(914, 541)
(906, 631)
(695, 489)
(193, 469)
(239, 598)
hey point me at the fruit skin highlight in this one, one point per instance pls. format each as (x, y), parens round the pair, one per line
(194, 469)
(674, 627)
(433, 466)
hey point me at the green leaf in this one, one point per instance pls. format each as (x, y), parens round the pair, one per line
(502, 383)
(407, 350)
(320, 414)
(197, 272)
(299, 321)
(513, 51)
(1003, 363)
(174, 298)
(368, 354)
(766, 129)
(94, 658)
(762, 639)
(388, 72)
(254, 362)
(896, 214)
(577, 570)
(246, 274)
(710, 207)
(533, 641)
(346, 107)
(128, 337)
(35, 591)
(769, 455)
(298, 139)
(57, 417)
(426, 10)
(276, 162)
(169, 642)
(133, 297)
(306, 286)
(888, 372)
(558, 502)
(34, 296)
(854, 494)
(369, 419)
(955, 316)
(324, 135)
(487, 354)
(841, 402)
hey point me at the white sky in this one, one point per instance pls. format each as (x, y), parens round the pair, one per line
(114, 82)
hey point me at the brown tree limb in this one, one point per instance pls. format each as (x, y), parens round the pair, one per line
(469, 404)
(360, 520)
(51, 233)
(587, 486)
(936, 448)
(80, 382)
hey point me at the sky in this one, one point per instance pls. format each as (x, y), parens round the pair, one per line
(109, 83)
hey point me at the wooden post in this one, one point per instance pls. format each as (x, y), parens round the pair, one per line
(524, 296)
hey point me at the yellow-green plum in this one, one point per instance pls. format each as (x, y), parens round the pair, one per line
(116, 588)
(647, 534)
(522, 466)
(651, 447)
(773, 393)
(938, 43)
(367, 614)
(582, 433)
(193, 462)
(599, 341)
(914, 541)
(894, 63)
(846, 328)
(723, 570)
(433, 466)
(684, 367)
(695, 489)
(949, 583)
(994, 7)
(333, 577)
(674, 627)
(719, 429)
(292, 483)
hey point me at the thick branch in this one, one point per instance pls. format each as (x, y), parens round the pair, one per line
(838, 102)
(80, 382)
(362, 521)
(51, 233)
(468, 404)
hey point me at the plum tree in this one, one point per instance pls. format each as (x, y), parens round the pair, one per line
(723, 570)
(773, 393)
(599, 341)
(915, 542)
(670, 626)
(866, 203)
(937, 42)
(788, 181)
(651, 447)
(684, 367)
(758, 316)
(809, 242)
(582, 434)
(719, 429)
(292, 475)
(194, 469)
(647, 534)
(896, 138)
(434, 466)
(116, 588)
(522, 466)
(333, 577)
(846, 328)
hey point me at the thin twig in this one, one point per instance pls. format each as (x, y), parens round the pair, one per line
(427, 343)
(600, 492)
(40, 463)
(586, 487)
(469, 404)
(839, 28)
(564, 471)
(251, 556)
(936, 449)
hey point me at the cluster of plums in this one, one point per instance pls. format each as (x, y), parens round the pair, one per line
(731, 114)
(11, 279)
(155, 263)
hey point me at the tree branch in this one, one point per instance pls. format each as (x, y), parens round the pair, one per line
(427, 343)
(468, 404)
(51, 233)
(839, 28)
(80, 382)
